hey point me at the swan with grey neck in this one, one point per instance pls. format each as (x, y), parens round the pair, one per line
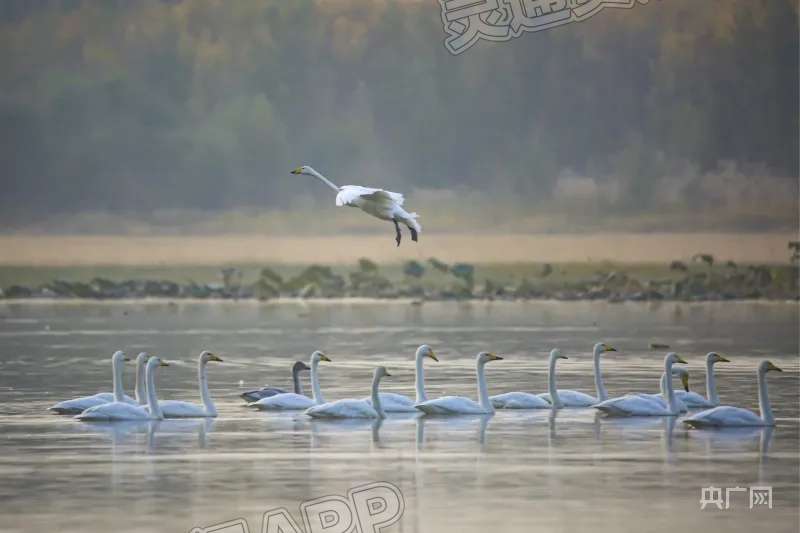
(78, 405)
(398, 403)
(351, 408)
(267, 391)
(119, 410)
(385, 205)
(180, 409)
(693, 399)
(572, 398)
(526, 400)
(637, 405)
(291, 400)
(460, 405)
(728, 416)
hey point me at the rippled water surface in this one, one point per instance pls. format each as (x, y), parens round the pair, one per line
(515, 471)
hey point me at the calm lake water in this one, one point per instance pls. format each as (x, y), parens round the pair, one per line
(516, 471)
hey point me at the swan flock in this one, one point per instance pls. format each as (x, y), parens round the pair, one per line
(706, 412)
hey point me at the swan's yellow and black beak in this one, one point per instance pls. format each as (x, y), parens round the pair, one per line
(775, 368)
(679, 359)
(213, 357)
(609, 348)
(433, 356)
(493, 357)
(387, 374)
(323, 357)
(298, 170)
(722, 359)
(127, 359)
(685, 381)
(163, 363)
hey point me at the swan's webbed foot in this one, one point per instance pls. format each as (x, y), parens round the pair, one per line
(399, 236)
(413, 234)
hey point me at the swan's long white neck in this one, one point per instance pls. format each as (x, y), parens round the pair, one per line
(141, 388)
(298, 387)
(711, 382)
(323, 179)
(116, 378)
(763, 398)
(599, 386)
(376, 398)
(152, 399)
(419, 378)
(202, 380)
(555, 401)
(483, 390)
(315, 390)
(669, 391)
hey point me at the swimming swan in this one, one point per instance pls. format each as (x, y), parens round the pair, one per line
(660, 397)
(692, 399)
(78, 405)
(526, 400)
(640, 405)
(180, 409)
(267, 391)
(119, 410)
(728, 416)
(572, 398)
(292, 401)
(459, 405)
(351, 408)
(398, 403)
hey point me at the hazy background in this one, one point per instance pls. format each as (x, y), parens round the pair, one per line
(186, 116)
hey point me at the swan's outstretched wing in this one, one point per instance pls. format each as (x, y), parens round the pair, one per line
(518, 400)
(351, 194)
(724, 416)
(343, 409)
(287, 401)
(179, 409)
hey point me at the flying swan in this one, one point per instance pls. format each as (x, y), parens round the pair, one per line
(180, 409)
(572, 398)
(398, 403)
(692, 399)
(119, 410)
(294, 401)
(640, 405)
(351, 408)
(267, 391)
(460, 405)
(79, 405)
(728, 416)
(526, 400)
(385, 205)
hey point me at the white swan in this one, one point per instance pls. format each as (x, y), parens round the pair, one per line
(351, 408)
(267, 391)
(460, 405)
(118, 410)
(639, 405)
(180, 409)
(692, 399)
(292, 401)
(398, 403)
(526, 400)
(660, 398)
(140, 387)
(728, 416)
(572, 398)
(385, 205)
(78, 405)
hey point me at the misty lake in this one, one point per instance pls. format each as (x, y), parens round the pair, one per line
(515, 471)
